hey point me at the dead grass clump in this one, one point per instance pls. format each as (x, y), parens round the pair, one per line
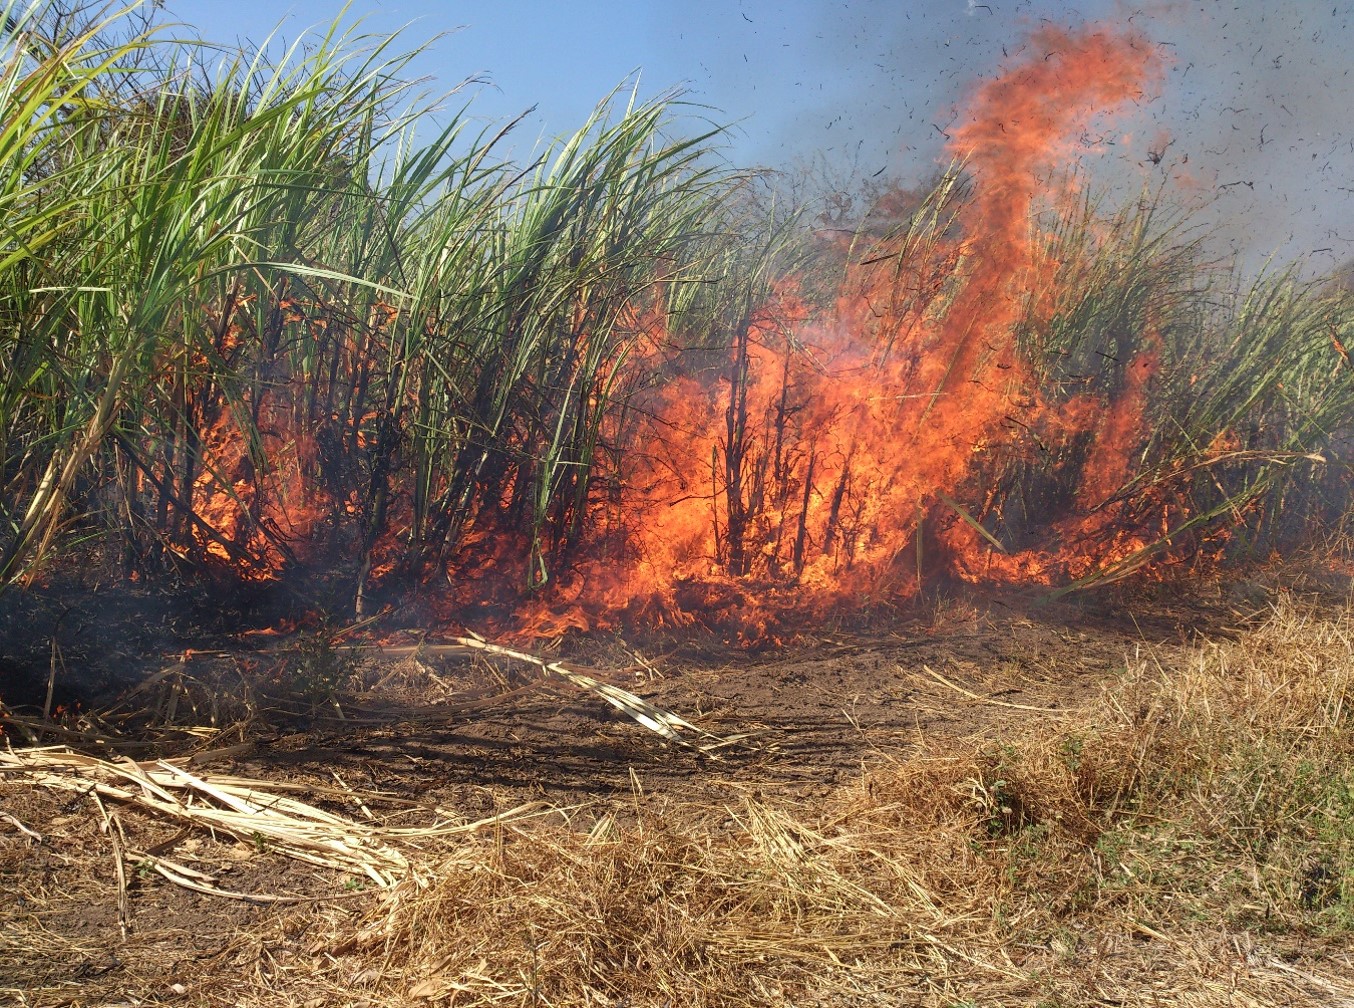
(1249, 757)
(767, 910)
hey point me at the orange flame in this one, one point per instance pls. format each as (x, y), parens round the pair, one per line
(818, 469)
(827, 459)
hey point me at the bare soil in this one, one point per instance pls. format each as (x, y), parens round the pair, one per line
(420, 727)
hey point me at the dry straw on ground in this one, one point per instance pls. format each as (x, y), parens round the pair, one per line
(257, 811)
(1187, 839)
(1155, 849)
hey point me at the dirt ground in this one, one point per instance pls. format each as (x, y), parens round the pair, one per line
(422, 727)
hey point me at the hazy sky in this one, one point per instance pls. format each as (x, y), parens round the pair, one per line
(1257, 103)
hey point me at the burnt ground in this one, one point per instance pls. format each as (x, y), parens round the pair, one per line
(428, 727)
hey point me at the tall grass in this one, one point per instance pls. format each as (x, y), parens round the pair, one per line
(1205, 413)
(255, 317)
(1242, 409)
(164, 215)
(250, 308)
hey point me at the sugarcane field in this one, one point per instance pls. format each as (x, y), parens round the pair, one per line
(440, 567)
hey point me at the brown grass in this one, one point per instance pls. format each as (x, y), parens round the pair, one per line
(1188, 839)
(1181, 842)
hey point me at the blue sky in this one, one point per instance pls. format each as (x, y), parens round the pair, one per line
(1258, 100)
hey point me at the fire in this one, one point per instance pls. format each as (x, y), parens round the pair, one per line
(827, 463)
(826, 458)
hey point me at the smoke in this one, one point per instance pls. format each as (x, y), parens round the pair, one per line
(1256, 103)
(1248, 130)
